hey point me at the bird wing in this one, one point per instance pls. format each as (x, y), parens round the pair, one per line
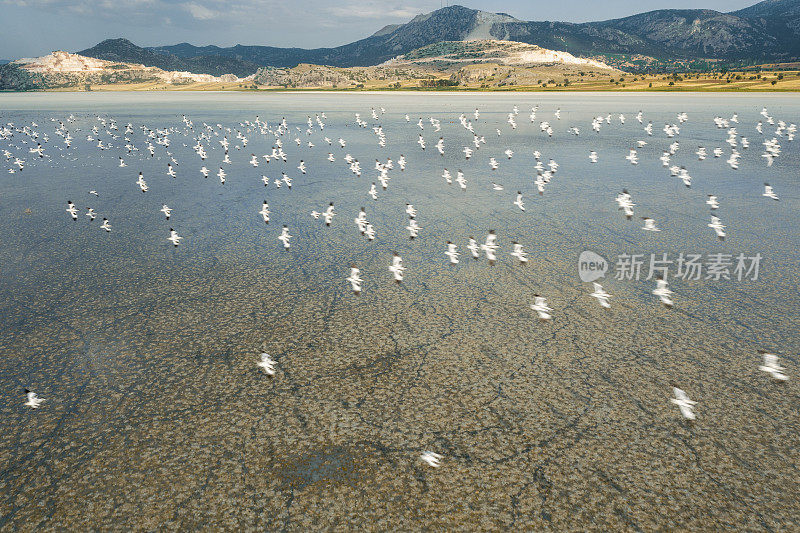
(680, 394)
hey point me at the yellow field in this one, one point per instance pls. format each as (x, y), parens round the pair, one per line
(626, 82)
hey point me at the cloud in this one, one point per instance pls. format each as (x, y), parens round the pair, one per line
(200, 12)
(375, 10)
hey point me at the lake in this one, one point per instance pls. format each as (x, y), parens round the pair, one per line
(157, 416)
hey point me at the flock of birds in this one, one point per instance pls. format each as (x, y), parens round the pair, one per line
(106, 133)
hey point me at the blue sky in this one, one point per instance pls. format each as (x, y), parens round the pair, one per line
(36, 27)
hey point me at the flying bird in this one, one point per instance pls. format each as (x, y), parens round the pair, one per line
(266, 364)
(32, 400)
(683, 402)
(396, 268)
(540, 306)
(772, 367)
(601, 295)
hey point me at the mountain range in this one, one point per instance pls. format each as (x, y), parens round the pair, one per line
(765, 32)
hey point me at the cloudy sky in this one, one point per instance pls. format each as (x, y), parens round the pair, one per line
(35, 27)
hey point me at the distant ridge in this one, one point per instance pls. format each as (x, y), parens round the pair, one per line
(766, 32)
(125, 51)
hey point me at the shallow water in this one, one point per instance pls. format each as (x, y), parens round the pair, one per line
(155, 413)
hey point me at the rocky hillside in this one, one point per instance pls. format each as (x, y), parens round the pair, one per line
(123, 50)
(474, 64)
(768, 31)
(456, 53)
(64, 70)
(317, 76)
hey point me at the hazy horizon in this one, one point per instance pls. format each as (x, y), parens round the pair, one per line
(41, 26)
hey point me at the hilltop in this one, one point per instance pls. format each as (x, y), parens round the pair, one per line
(667, 39)
(64, 70)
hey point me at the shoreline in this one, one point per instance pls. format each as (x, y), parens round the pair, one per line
(408, 90)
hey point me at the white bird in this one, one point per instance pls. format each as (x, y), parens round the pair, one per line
(593, 156)
(106, 225)
(361, 220)
(452, 252)
(267, 364)
(33, 401)
(601, 295)
(221, 175)
(701, 153)
(649, 224)
(91, 213)
(772, 367)
(413, 228)
(264, 212)
(712, 201)
(490, 246)
(166, 210)
(768, 192)
(718, 228)
(540, 182)
(328, 214)
(682, 400)
(302, 166)
(474, 248)
(432, 458)
(447, 176)
(624, 201)
(397, 268)
(663, 292)
(141, 183)
(521, 255)
(174, 238)
(461, 180)
(540, 306)
(355, 280)
(284, 237)
(518, 202)
(72, 210)
(683, 174)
